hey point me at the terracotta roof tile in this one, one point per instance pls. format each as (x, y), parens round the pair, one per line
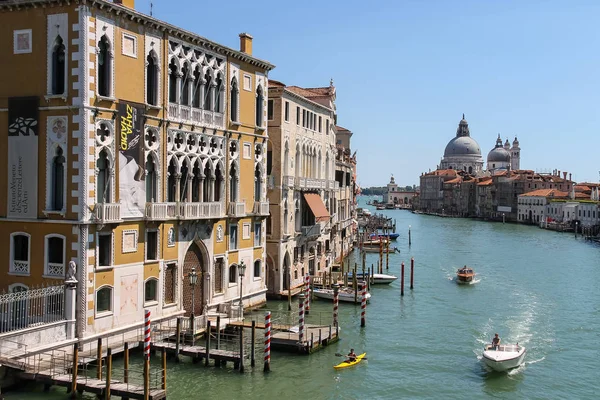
(545, 193)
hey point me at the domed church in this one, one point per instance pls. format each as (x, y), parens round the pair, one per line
(504, 157)
(463, 152)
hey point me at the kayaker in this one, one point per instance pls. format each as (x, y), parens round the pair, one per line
(496, 342)
(351, 356)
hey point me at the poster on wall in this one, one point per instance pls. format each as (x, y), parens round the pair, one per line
(23, 128)
(132, 187)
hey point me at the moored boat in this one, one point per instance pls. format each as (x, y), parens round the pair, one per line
(378, 279)
(465, 275)
(503, 357)
(346, 364)
(346, 295)
(391, 236)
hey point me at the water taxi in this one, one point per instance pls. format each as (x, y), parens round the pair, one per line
(503, 357)
(465, 275)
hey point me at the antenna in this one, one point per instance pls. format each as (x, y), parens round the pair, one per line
(151, 5)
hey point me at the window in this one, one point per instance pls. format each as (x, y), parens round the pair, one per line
(185, 86)
(297, 115)
(219, 95)
(304, 118)
(320, 123)
(129, 45)
(103, 187)
(257, 183)
(170, 283)
(173, 70)
(269, 224)
(247, 82)
(151, 245)
(257, 234)
(55, 256)
(171, 181)
(208, 91)
(20, 253)
(218, 278)
(246, 231)
(152, 79)
(57, 188)
(233, 233)
(286, 115)
(151, 290)
(259, 106)
(232, 273)
(270, 110)
(58, 67)
(151, 180)
(327, 126)
(233, 183)
(104, 250)
(257, 265)
(233, 103)
(104, 67)
(104, 300)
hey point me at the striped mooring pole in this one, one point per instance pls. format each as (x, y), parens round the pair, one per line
(301, 319)
(336, 299)
(267, 341)
(363, 305)
(307, 294)
(147, 334)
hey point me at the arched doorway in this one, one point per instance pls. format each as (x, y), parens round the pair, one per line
(270, 274)
(193, 259)
(286, 271)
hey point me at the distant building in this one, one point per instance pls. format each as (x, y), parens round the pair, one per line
(462, 152)
(393, 194)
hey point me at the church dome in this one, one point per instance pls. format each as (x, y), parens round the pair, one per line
(461, 146)
(499, 153)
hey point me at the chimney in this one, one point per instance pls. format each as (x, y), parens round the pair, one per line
(126, 3)
(570, 176)
(246, 43)
(565, 176)
(558, 173)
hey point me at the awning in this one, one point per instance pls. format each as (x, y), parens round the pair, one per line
(317, 206)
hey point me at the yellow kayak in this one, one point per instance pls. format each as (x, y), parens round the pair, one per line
(346, 364)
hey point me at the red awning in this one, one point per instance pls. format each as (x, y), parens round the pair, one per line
(317, 206)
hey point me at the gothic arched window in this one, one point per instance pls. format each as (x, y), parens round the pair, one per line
(151, 180)
(220, 91)
(173, 71)
(151, 80)
(233, 183)
(259, 106)
(58, 180)
(103, 189)
(104, 67)
(233, 100)
(58, 67)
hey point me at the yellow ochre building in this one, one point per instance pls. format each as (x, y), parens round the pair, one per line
(137, 150)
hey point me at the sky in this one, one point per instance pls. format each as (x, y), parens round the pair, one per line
(405, 72)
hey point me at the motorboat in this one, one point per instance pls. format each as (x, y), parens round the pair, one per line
(378, 279)
(384, 236)
(465, 275)
(344, 294)
(370, 248)
(503, 357)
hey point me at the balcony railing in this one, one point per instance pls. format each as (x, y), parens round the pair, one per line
(331, 185)
(161, 211)
(20, 267)
(200, 210)
(300, 182)
(237, 209)
(191, 115)
(261, 208)
(288, 181)
(107, 212)
(311, 230)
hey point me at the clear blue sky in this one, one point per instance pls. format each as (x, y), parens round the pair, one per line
(405, 71)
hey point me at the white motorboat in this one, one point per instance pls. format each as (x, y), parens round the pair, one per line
(346, 295)
(378, 279)
(503, 357)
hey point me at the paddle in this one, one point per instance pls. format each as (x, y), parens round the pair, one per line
(344, 355)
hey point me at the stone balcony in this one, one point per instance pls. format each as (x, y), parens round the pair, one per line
(237, 209)
(261, 208)
(310, 183)
(311, 231)
(196, 116)
(288, 181)
(209, 210)
(161, 211)
(106, 213)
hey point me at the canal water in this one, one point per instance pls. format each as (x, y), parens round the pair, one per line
(535, 287)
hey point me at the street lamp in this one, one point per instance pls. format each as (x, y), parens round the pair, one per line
(193, 281)
(242, 271)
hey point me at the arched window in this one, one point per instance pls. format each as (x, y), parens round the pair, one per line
(233, 100)
(172, 181)
(103, 188)
(151, 290)
(58, 181)
(286, 159)
(173, 71)
(197, 95)
(196, 182)
(259, 106)
(183, 183)
(208, 89)
(327, 173)
(185, 86)
(220, 91)
(104, 299)
(319, 162)
(58, 67)
(257, 268)
(218, 183)
(151, 180)
(151, 80)
(20, 252)
(232, 273)
(206, 186)
(55, 256)
(104, 67)
(297, 161)
(233, 183)
(257, 183)
(285, 218)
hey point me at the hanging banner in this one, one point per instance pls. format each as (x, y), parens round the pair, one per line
(23, 127)
(132, 187)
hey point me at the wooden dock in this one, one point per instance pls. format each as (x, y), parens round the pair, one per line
(315, 338)
(219, 356)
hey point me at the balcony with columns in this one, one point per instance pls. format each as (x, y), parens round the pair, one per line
(237, 209)
(106, 213)
(288, 181)
(311, 231)
(261, 208)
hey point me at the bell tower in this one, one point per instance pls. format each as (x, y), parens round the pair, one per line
(515, 155)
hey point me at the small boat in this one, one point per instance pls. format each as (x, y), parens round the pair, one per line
(380, 207)
(346, 295)
(465, 275)
(378, 279)
(346, 364)
(504, 357)
(391, 236)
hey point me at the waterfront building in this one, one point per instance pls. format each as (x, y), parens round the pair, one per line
(138, 151)
(302, 184)
(394, 194)
(344, 224)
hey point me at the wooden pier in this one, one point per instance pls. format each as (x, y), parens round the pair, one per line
(197, 353)
(315, 338)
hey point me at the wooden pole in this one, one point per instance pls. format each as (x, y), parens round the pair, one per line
(75, 366)
(146, 377)
(402, 280)
(99, 359)
(387, 254)
(164, 369)
(355, 285)
(372, 271)
(241, 349)
(126, 362)
(207, 360)
(252, 344)
(412, 271)
(218, 332)
(289, 289)
(177, 339)
(108, 373)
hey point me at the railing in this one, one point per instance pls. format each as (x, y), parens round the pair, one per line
(311, 230)
(161, 211)
(331, 185)
(107, 212)
(271, 182)
(200, 210)
(288, 181)
(20, 267)
(56, 269)
(237, 209)
(300, 182)
(261, 208)
(188, 114)
(28, 308)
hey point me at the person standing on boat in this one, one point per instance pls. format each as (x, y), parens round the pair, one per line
(351, 356)
(496, 342)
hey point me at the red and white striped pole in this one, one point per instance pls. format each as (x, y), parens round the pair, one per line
(307, 294)
(301, 319)
(336, 300)
(363, 305)
(267, 341)
(147, 334)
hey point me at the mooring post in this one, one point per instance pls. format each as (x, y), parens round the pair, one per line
(164, 368)
(126, 362)
(289, 277)
(301, 320)
(409, 241)
(108, 373)
(241, 349)
(307, 294)
(99, 359)
(311, 340)
(218, 332)
(252, 344)
(363, 305)
(146, 377)
(402, 279)
(75, 366)
(267, 360)
(206, 361)
(336, 298)
(412, 271)
(177, 338)
(372, 272)
(387, 254)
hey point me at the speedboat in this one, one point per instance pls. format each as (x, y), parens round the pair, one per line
(344, 294)
(465, 275)
(378, 279)
(384, 236)
(503, 357)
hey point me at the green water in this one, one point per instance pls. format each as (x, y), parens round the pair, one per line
(535, 287)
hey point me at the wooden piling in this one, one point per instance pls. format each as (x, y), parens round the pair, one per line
(207, 359)
(218, 332)
(412, 271)
(108, 373)
(402, 279)
(387, 254)
(146, 377)
(99, 359)
(126, 362)
(75, 366)
(252, 345)
(164, 368)
(241, 349)
(372, 276)
(177, 339)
